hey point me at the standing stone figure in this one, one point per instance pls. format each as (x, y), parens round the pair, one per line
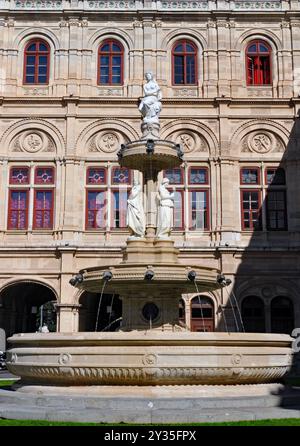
(165, 211)
(135, 218)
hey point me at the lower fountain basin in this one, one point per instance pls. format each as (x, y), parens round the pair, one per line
(149, 358)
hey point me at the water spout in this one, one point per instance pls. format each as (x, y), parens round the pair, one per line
(107, 275)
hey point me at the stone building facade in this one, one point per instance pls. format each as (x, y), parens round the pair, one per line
(71, 75)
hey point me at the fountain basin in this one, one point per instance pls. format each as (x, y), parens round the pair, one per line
(149, 358)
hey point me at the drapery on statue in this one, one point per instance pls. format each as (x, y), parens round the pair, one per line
(135, 217)
(150, 108)
(150, 105)
(165, 210)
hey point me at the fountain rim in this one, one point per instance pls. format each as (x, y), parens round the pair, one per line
(142, 337)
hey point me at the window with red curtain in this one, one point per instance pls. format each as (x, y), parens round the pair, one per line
(184, 63)
(43, 198)
(36, 62)
(43, 209)
(110, 63)
(258, 59)
(18, 209)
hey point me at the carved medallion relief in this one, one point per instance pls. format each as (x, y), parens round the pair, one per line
(106, 141)
(190, 141)
(33, 141)
(262, 141)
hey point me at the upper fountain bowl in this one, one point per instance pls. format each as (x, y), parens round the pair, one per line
(145, 155)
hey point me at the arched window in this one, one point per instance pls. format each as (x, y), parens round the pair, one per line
(36, 62)
(258, 57)
(202, 314)
(184, 63)
(253, 315)
(110, 63)
(282, 315)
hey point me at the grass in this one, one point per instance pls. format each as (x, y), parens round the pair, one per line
(6, 382)
(270, 422)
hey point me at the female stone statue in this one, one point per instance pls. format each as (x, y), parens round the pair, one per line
(165, 211)
(135, 218)
(150, 105)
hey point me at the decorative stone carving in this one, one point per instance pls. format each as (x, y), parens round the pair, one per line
(36, 91)
(187, 142)
(99, 4)
(110, 91)
(258, 93)
(38, 4)
(185, 92)
(257, 5)
(261, 142)
(149, 359)
(190, 141)
(182, 4)
(106, 141)
(236, 359)
(33, 141)
(64, 358)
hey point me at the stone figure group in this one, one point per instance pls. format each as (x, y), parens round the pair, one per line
(135, 218)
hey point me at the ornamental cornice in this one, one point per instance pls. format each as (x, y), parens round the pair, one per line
(140, 5)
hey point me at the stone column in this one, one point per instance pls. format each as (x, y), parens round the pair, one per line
(67, 318)
(223, 57)
(67, 308)
(150, 191)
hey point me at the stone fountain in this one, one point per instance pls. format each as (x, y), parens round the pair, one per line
(151, 348)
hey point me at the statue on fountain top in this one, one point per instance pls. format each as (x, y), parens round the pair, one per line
(135, 217)
(165, 210)
(150, 107)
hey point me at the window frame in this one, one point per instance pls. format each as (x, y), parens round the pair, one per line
(275, 189)
(207, 182)
(184, 41)
(36, 40)
(112, 219)
(110, 54)
(207, 191)
(114, 168)
(36, 184)
(266, 177)
(11, 183)
(96, 184)
(35, 191)
(259, 192)
(94, 189)
(258, 183)
(258, 54)
(18, 189)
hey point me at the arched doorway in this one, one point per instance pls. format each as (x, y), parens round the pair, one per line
(202, 314)
(110, 312)
(24, 306)
(253, 314)
(282, 315)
